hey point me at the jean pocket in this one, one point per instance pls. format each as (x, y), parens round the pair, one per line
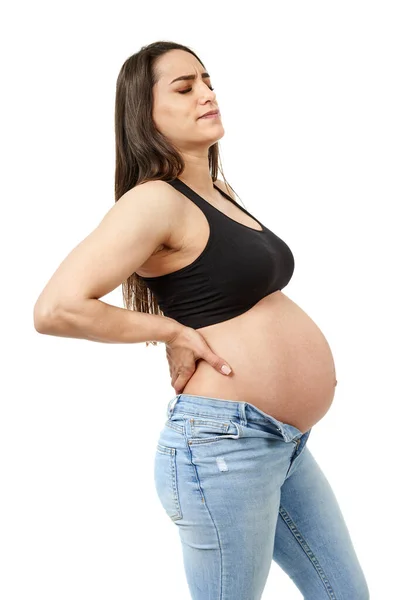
(165, 478)
(176, 425)
(202, 430)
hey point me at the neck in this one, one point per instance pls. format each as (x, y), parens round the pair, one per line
(196, 173)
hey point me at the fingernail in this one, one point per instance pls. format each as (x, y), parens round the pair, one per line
(226, 370)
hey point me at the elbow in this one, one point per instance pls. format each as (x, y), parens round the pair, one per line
(48, 316)
(41, 319)
(62, 319)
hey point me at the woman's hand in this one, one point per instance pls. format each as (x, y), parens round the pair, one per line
(183, 350)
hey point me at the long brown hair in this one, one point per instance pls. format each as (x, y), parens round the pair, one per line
(142, 152)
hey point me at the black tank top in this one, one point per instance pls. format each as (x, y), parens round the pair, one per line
(238, 266)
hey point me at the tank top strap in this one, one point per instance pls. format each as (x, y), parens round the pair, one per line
(212, 213)
(204, 206)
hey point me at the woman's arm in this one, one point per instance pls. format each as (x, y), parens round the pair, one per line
(127, 236)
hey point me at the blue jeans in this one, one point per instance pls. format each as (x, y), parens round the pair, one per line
(243, 489)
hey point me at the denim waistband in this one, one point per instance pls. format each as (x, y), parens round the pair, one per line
(218, 407)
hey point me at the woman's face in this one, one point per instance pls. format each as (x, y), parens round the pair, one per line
(176, 114)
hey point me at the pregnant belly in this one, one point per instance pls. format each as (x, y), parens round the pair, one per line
(280, 359)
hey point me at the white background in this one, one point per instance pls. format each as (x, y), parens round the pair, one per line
(309, 95)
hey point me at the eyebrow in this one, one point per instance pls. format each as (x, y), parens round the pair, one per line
(189, 77)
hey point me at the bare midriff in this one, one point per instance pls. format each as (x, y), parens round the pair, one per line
(281, 362)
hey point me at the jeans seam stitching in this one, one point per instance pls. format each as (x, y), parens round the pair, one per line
(211, 439)
(211, 416)
(172, 476)
(176, 428)
(203, 499)
(307, 550)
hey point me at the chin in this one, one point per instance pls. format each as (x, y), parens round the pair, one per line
(218, 137)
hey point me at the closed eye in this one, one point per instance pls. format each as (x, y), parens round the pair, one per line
(189, 89)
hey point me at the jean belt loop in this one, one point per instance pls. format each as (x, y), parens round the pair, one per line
(242, 413)
(171, 405)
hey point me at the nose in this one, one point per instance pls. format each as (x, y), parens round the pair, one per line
(207, 92)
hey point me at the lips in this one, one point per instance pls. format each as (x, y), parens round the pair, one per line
(210, 112)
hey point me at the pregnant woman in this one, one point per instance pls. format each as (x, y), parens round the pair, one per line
(251, 370)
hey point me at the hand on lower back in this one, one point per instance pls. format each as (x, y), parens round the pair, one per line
(183, 350)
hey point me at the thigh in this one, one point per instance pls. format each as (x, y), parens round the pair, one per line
(222, 489)
(312, 542)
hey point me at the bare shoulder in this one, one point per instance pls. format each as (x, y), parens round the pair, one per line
(154, 193)
(127, 236)
(156, 200)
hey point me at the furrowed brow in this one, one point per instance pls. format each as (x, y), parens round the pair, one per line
(189, 77)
